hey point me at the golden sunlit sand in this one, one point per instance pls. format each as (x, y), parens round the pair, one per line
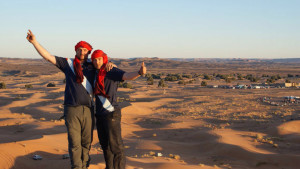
(191, 126)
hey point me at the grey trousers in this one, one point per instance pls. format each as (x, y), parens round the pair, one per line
(80, 124)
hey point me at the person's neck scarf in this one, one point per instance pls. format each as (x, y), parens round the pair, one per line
(78, 70)
(77, 63)
(99, 85)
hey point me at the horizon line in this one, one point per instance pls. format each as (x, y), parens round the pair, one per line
(256, 58)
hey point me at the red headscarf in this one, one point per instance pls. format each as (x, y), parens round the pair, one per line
(76, 62)
(99, 86)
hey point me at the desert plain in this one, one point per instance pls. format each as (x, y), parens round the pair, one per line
(173, 127)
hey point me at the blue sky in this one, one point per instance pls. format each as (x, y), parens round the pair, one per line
(156, 28)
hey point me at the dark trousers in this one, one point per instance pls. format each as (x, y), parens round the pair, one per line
(109, 134)
(80, 124)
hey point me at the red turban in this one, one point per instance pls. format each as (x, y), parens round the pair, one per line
(83, 44)
(76, 62)
(99, 86)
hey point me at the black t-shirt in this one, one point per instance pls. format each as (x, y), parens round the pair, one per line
(111, 82)
(75, 93)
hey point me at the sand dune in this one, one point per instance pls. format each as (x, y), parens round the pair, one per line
(191, 127)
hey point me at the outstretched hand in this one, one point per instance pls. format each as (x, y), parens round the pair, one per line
(143, 69)
(30, 36)
(134, 75)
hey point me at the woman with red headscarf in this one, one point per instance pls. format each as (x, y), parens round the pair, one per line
(108, 113)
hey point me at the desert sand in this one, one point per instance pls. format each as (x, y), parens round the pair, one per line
(191, 126)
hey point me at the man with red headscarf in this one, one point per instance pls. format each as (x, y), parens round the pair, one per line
(108, 113)
(78, 107)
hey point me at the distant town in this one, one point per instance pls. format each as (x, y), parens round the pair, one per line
(256, 86)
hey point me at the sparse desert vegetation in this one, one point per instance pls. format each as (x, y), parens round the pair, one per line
(28, 86)
(2, 85)
(51, 85)
(173, 116)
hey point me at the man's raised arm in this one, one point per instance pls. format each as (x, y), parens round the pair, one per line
(42, 51)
